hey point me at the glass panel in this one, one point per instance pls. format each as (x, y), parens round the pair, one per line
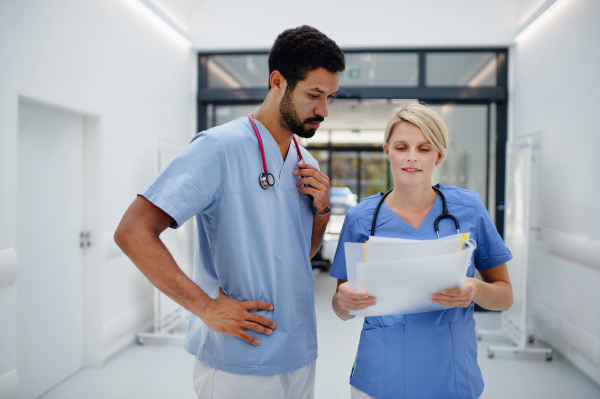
(322, 157)
(467, 156)
(380, 69)
(491, 202)
(238, 71)
(461, 69)
(227, 113)
(344, 168)
(360, 114)
(374, 168)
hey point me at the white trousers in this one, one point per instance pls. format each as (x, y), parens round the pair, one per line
(211, 383)
(356, 393)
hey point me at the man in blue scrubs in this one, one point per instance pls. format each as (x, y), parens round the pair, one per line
(252, 324)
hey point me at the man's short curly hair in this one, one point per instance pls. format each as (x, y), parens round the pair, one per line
(301, 50)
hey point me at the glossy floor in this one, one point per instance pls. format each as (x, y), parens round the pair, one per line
(164, 370)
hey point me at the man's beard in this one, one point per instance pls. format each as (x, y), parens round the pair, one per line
(291, 120)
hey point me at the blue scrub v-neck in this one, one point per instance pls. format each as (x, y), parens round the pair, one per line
(427, 223)
(275, 162)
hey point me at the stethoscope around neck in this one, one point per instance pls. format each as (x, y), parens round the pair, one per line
(445, 214)
(266, 179)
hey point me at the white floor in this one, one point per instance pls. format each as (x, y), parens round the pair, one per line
(164, 370)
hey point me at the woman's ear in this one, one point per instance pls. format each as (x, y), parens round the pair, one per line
(387, 152)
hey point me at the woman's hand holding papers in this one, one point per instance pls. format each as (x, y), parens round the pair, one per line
(352, 300)
(458, 297)
(228, 316)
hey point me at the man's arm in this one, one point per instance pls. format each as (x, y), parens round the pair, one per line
(138, 236)
(318, 231)
(318, 186)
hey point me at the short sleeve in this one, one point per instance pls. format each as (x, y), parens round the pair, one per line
(349, 233)
(192, 183)
(491, 250)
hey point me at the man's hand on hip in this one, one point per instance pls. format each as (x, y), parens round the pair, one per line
(228, 316)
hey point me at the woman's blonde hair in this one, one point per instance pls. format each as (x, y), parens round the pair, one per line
(430, 122)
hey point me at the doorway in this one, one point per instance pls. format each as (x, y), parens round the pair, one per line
(50, 211)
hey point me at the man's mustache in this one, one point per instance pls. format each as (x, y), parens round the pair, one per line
(318, 118)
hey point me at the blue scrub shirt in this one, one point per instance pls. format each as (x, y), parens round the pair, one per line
(252, 242)
(423, 355)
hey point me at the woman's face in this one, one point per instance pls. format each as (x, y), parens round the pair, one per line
(411, 156)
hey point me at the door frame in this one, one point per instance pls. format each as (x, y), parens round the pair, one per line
(92, 222)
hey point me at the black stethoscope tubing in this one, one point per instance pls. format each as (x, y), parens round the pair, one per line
(445, 214)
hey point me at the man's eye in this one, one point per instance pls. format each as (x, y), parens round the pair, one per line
(312, 96)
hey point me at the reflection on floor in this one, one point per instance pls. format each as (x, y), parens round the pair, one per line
(165, 371)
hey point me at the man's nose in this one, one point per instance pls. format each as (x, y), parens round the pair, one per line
(322, 110)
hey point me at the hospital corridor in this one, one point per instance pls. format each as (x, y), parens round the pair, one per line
(308, 200)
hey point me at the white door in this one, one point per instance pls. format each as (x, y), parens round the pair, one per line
(50, 218)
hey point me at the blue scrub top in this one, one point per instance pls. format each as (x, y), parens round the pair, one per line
(252, 242)
(423, 355)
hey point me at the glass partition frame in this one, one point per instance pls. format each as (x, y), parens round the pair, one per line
(495, 97)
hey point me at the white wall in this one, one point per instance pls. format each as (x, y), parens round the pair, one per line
(104, 59)
(238, 24)
(555, 92)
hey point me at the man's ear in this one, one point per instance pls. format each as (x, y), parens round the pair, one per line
(278, 82)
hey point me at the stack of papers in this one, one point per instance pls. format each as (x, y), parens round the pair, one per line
(403, 274)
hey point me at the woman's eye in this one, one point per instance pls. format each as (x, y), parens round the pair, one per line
(401, 148)
(425, 149)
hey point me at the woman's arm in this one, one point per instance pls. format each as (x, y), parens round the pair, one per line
(493, 293)
(345, 299)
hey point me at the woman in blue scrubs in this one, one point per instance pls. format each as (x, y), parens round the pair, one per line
(432, 354)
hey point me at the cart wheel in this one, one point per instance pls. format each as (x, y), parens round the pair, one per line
(141, 341)
(490, 353)
(549, 356)
(531, 338)
(479, 336)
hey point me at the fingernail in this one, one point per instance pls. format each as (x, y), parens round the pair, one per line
(373, 302)
(256, 342)
(274, 326)
(444, 292)
(434, 297)
(365, 296)
(269, 332)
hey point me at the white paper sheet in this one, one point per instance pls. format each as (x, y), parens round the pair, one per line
(405, 286)
(381, 251)
(354, 256)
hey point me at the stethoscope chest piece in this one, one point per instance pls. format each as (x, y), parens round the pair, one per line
(266, 180)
